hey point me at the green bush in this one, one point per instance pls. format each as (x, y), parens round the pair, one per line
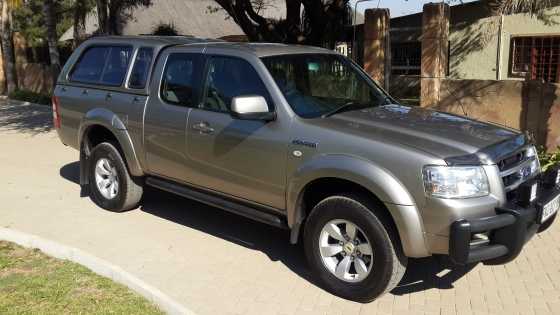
(549, 159)
(32, 97)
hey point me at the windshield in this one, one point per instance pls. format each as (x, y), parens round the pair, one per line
(321, 85)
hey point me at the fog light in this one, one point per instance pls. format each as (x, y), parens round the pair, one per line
(479, 239)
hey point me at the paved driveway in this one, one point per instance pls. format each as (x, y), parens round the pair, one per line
(217, 263)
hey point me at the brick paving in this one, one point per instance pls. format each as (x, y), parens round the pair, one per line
(217, 263)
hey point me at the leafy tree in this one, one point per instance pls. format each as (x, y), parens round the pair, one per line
(30, 20)
(111, 14)
(80, 11)
(165, 29)
(322, 21)
(534, 7)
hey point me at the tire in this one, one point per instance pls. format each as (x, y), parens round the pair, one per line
(128, 190)
(387, 263)
(543, 227)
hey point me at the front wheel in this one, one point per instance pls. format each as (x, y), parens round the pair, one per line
(111, 186)
(353, 252)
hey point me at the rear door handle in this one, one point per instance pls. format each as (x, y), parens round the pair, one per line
(203, 127)
(85, 92)
(108, 96)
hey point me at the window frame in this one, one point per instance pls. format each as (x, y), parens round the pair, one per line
(511, 66)
(100, 82)
(407, 68)
(529, 73)
(199, 57)
(149, 70)
(204, 84)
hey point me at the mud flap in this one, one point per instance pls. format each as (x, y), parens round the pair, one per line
(84, 166)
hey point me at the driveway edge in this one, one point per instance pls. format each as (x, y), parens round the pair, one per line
(98, 266)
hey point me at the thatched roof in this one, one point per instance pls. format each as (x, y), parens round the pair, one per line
(189, 17)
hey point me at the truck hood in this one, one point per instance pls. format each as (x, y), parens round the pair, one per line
(441, 134)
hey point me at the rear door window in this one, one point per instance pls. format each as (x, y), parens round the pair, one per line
(179, 84)
(140, 69)
(105, 65)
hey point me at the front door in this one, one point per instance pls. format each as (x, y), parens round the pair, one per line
(165, 120)
(242, 158)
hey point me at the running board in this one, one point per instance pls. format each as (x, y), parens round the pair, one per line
(215, 200)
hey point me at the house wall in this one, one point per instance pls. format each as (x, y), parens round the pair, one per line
(474, 44)
(526, 105)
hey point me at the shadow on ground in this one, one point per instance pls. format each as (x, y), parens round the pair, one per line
(17, 116)
(422, 274)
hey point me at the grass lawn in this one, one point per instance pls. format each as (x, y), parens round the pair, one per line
(33, 283)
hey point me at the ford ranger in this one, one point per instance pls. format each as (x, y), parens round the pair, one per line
(301, 138)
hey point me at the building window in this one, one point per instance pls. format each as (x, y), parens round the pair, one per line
(537, 58)
(406, 58)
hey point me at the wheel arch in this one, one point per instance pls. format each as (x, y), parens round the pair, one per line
(315, 179)
(99, 125)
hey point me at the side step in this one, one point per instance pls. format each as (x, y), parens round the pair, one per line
(224, 203)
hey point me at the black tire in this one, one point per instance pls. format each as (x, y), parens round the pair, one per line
(389, 263)
(543, 227)
(130, 189)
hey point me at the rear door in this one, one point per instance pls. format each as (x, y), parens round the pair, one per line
(172, 95)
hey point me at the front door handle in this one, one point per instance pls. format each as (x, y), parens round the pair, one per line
(203, 127)
(108, 96)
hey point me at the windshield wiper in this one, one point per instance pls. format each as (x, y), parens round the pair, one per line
(346, 106)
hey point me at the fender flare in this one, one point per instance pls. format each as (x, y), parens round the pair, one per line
(113, 123)
(375, 179)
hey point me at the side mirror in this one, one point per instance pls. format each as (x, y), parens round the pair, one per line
(251, 107)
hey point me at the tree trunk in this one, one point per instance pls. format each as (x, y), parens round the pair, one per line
(80, 13)
(102, 17)
(113, 21)
(50, 19)
(322, 24)
(8, 49)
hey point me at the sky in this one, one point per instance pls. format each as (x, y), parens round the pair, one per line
(398, 7)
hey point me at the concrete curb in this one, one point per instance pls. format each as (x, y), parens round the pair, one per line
(97, 265)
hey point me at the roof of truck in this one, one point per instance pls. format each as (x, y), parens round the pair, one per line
(259, 49)
(153, 40)
(270, 49)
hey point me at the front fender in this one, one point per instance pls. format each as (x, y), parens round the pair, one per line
(376, 179)
(113, 123)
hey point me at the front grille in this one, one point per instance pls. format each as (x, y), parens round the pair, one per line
(517, 168)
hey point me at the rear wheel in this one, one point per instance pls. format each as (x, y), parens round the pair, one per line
(353, 252)
(111, 186)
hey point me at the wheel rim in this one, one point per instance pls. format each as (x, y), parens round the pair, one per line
(345, 250)
(106, 178)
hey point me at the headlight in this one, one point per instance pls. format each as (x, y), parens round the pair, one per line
(453, 182)
(535, 165)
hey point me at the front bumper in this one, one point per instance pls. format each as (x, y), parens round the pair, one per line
(505, 233)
